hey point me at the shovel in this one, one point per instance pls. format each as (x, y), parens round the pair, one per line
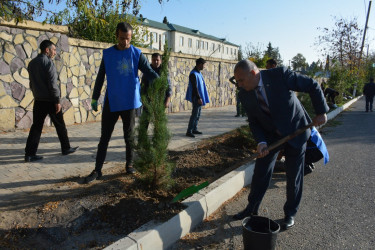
(285, 139)
(193, 189)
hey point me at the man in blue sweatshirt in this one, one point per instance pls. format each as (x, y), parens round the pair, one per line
(197, 94)
(120, 63)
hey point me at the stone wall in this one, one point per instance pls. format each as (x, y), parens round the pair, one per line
(77, 62)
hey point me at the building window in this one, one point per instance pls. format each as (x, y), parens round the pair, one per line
(145, 37)
(219, 48)
(235, 51)
(181, 41)
(163, 38)
(213, 47)
(227, 50)
(197, 44)
(206, 45)
(231, 51)
(190, 42)
(154, 37)
(202, 45)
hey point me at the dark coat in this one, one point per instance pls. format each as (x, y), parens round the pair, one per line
(287, 112)
(369, 89)
(43, 79)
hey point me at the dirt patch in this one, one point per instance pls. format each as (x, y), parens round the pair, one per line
(72, 215)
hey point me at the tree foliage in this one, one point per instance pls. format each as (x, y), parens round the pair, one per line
(91, 20)
(299, 62)
(24, 9)
(31, 9)
(342, 42)
(274, 53)
(260, 56)
(152, 160)
(97, 21)
(341, 45)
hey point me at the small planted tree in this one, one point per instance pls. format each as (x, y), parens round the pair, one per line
(152, 160)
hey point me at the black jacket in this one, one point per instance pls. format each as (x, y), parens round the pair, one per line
(43, 79)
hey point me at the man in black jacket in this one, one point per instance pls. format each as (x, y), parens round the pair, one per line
(43, 84)
(369, 92)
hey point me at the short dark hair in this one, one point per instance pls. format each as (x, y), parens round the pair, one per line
(124, 27)
(200, 61)
(272, 61)
(155, 55)
(45, 44)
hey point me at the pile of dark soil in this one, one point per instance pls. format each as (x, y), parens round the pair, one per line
(93, 216)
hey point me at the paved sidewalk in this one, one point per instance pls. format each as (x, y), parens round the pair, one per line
(18, 178)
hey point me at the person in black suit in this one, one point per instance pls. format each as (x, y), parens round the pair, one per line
(369, 92)
(274, 112)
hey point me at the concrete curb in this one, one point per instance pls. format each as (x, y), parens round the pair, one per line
(199, 206)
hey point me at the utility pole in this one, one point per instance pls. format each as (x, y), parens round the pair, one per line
(363, 44)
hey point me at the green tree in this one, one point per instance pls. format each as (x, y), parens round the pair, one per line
(341, 45)
(255, 53)
(314, 68)
(152, 151)
(30, 9)
(342, 42)
(274, 53)
(97, 21)
(299, 62)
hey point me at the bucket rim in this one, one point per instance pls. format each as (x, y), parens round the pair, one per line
(245, 220)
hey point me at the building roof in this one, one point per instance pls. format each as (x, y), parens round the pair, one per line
(174, 27)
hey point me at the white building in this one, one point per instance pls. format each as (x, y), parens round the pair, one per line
(187, 40)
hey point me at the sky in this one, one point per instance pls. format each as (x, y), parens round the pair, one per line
(290, 25)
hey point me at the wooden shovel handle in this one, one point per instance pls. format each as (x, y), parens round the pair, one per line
(286, 138)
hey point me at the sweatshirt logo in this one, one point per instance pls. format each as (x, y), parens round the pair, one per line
(124, 67)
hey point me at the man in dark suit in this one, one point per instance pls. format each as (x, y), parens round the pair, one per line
(274, 112)
(369, 92)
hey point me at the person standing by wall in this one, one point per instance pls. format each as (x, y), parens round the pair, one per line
(274, 112)
(196, 94)
(120, 63)
(369, 92)
(156, 66)
(43, 84)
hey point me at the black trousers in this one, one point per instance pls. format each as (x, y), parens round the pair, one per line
(294, 163)
(109, 120)
(40, 111)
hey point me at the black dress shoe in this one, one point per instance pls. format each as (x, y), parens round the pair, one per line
(188, 134)
(197, 132)
(288, 222)
(31, 158)
(94, 175)
(70, 151)
(130, 170)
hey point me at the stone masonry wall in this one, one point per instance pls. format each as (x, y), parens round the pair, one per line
(77, 62)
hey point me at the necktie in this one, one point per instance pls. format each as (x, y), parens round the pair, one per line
(262, 101)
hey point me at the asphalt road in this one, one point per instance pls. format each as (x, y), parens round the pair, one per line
(338, 205)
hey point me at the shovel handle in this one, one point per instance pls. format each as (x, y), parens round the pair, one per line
(286, 138)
